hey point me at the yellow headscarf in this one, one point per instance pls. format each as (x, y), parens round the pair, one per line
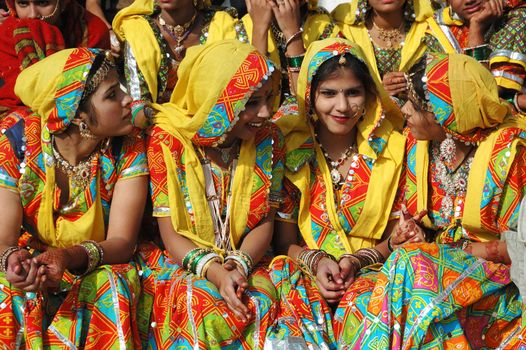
(204, 106)
(350, 19)
(130, 25)
(53, 88)
(377, 138)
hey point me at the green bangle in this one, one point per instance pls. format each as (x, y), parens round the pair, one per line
(480, 53)
(295, 61)
(190, 256)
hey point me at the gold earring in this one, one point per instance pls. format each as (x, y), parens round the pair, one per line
(85, 132)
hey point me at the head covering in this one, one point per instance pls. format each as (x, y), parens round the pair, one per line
(466, 116)
(377, 139)
(53, 88)
(205, 104)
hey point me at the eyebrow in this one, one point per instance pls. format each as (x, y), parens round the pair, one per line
(113, 86)
(357, 87)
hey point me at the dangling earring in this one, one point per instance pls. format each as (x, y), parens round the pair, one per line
(85, 132)
(195, 4)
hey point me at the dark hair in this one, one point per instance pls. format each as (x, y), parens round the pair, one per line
(85, 104)
(329, 69)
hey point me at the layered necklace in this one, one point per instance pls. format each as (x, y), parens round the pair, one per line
(336, 177)
(79, 174)
(453, 182)
(393, 38)
(178, 33)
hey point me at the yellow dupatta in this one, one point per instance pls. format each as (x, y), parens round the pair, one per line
(355, 30)
(465, 101)
(52, 88)
(377, 137)
(206, 102)
(131, 26)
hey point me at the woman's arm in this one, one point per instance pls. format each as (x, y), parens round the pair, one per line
(260, 13)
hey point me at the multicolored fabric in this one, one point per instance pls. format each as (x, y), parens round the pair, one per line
(189, 312)
(106, 299)
(151, 72)
(433, 296)
(304, 319)
(205, 105)
(506, 38)
(354, 222)
(52, 88)
(22, 43)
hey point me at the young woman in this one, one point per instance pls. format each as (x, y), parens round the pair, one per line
(344, 157)
(216, 171)
(77, 184)
(493, 33)
(36, 29)
(465, 164)
(393, 34)
(156, 36)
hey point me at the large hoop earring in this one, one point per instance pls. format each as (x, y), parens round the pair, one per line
(43, 18)
(85, 132)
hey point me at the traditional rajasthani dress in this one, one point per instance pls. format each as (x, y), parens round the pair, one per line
(97, 310)
(317, 24)
(188, 311)
(26, 41)
(435, 295)
(149, 62)
(351, 17)
(506, 39)
(336, 221)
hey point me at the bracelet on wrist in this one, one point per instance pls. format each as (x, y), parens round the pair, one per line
(95, 256)
(293, 37)
(481, 52)
(5, 256)
(389, 245)
(295, 61)
(516, 104)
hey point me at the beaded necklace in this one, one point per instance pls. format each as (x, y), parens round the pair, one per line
(336, 177)
(79, 174)
(179, 33)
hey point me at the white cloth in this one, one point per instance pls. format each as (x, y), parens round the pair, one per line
(516, 243)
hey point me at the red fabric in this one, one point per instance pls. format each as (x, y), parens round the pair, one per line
(22, 43)
(83, 29)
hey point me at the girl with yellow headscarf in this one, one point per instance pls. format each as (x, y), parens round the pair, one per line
(393, 35)
(77, 184)
(344, 158)
(216, 171)
(156, 36)
(465, 163)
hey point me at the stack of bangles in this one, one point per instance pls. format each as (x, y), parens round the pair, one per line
(242, 261)
(5, 255)
(294, 63)
(198, 260)
(480, 53)
(95, 255)
(309, 259)
(138, 106)
(364, 257)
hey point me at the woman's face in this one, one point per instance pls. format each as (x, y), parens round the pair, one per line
(257, 112)
(110, 109)
(172, 5)
(339, 101)
(387, 6)
(49, 10)
(467, 8)
(422, 123)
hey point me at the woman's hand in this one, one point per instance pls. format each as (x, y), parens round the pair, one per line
(408, 229)
(24, 273)
(491, 11)
(231, 284)
(260, 12)
(394, 83)
(348, 271)
(287, 14)
(55, 261)
(329, 280)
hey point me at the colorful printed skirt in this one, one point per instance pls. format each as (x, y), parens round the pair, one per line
(304, 319)
(95, 311)
(432, 296)
(189, 312)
